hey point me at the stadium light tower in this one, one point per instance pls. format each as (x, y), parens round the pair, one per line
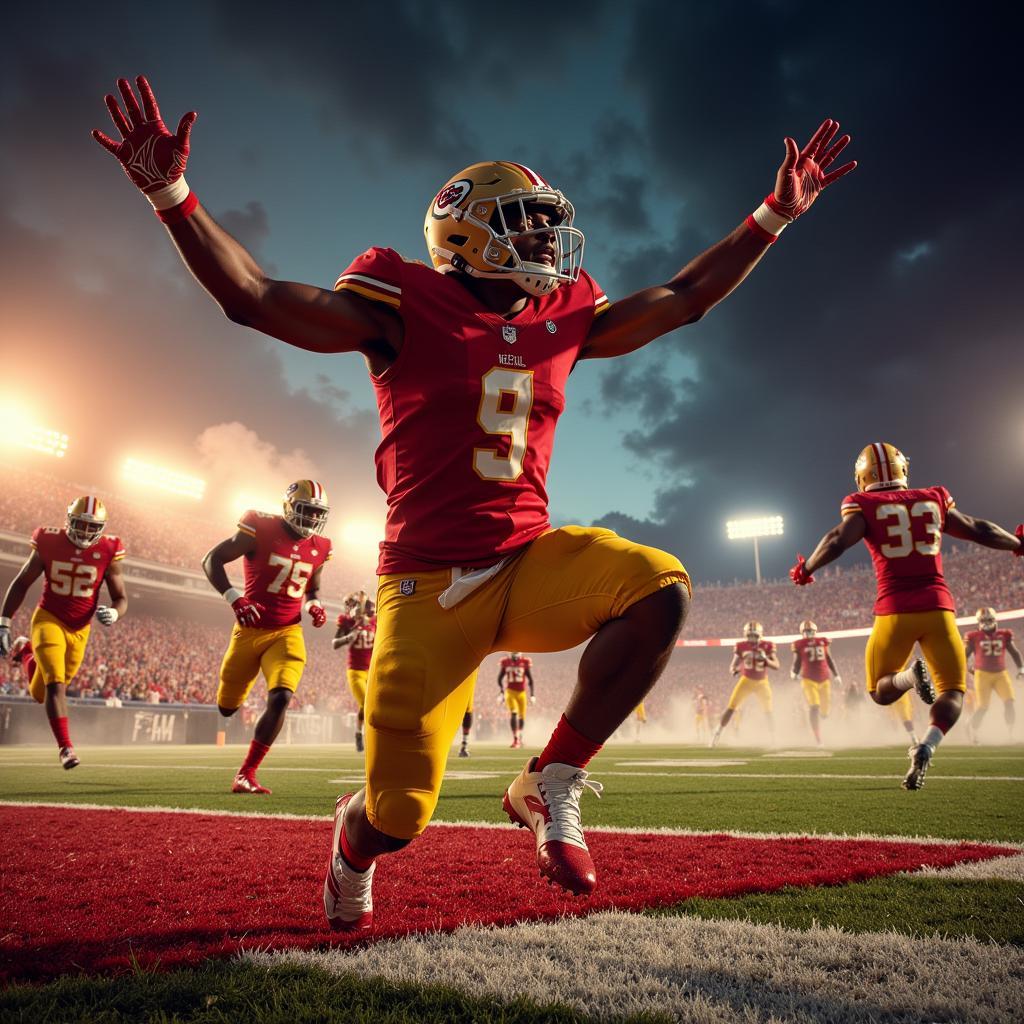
(752, 529)
(18, 428)
(148, 474)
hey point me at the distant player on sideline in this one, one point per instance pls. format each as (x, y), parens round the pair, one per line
(467, 720)
(751, 659)
(357, 629)
(701, 715)
(903, 530)
(639, 721)
(814, 667)
(283, 559)
(514, 674)
(73, 562)
(987, 646)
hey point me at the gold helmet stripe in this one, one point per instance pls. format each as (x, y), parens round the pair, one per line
(882, 461)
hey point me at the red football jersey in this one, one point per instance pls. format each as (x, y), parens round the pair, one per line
(72, 575)
(904, 536)
(278, 571)
(989, 648)
(467, 412)
(361, 649)
(813, 653)
(513, 672)
(754, 657)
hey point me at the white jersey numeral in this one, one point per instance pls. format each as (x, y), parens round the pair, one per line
(506, 400)
(296, 574)
(901, 529)
(69, 580)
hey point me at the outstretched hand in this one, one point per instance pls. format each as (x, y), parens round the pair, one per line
(803, 176)
(151, 156)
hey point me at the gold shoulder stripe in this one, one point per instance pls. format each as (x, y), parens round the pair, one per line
(369, 293)
(851, 510)
(246, 528)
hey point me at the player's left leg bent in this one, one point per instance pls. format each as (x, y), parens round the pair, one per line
(572, 584)
(239, 668)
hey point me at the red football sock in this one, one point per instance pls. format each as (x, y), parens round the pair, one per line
(567, 746)
(257, 751)
(353, 859)
(59, 727)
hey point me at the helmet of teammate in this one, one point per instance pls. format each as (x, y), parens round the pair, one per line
(370, 607)
(306, 507)
(808, 628)
(515, 655)
(881, 466)
(473, 222)
(87, 519)
(986, 618)
(753, 631)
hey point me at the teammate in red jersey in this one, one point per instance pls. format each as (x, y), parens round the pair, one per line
(74, 562)
(514, 674)
(814, 667)
(469, 361)
(988, 646)
(284, 557)
(903, 530)
(752, 657)
(357, 627)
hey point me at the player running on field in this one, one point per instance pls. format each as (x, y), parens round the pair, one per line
(903, 528)
(469, 358)
(987, 646)
(752, 657)
(283, 559)
(467, 720)
(701, 715)
(357, 627)
(74, 562)
(814, 667)
(514, 674)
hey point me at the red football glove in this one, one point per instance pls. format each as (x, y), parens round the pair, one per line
(150, 155)
(247, 612)
(799, 574)
(802, 174)
(317, 613)
(1020, 536)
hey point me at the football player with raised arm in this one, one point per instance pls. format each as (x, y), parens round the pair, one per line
(814, 667)
(357, 628)
(902, 528)
(514, 674)
(74, 562)
(284, 557)
(987, 646)
(752, 657)
(470, 564)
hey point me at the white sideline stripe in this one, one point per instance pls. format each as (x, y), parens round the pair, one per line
(701, 971)
(832, 634)
(1010, 869)
(618, 830)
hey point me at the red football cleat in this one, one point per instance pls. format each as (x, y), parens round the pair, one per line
(549, 803)
(246, 783)
(348, 894)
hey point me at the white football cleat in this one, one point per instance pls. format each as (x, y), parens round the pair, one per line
(548, 802)
(348, 894)
(68, 758)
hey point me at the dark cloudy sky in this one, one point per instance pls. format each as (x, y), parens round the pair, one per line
(891, 312)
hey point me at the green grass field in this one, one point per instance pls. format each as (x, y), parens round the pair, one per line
(971, 793)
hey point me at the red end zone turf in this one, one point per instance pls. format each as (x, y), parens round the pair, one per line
(90, 889)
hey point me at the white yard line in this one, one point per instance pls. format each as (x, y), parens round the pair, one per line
(624, 829)
(702, 971)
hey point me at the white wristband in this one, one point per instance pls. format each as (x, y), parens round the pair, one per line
(5, 620)
(768, 219)
(231, 595)
(172, 195)
(311, 604)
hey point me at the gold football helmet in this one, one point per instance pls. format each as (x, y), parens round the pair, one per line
(986, 618)
(753, 631)
(808, 628)
(355, 603)
(87, 519)
(472, 223)
(306, 507)
(881, 466)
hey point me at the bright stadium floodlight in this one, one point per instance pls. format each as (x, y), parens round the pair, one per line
(752, 529)
(147, 474)
(246, 500)
(362, 534)
(18, 429)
